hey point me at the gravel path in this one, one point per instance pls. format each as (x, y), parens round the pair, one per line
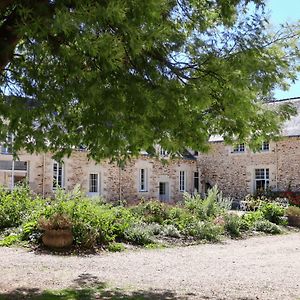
(256, 268)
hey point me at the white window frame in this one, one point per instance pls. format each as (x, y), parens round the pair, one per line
(91, 184)
(6, 147)
(265, 172)
(163, 152)
(240, 148)
(56, 175)
(182, 181)
(265, 147)
(143, 180)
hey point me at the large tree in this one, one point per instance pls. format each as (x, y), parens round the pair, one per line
(118, 76)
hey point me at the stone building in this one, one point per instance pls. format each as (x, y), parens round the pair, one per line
(144, 177)
(238, 171)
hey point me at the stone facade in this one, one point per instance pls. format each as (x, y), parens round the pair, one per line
(234, 172)
(237, 173)
(112, 182)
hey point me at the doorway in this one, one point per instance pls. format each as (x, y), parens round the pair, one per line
(164, 191)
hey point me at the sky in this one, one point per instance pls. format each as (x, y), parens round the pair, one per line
(282, 11)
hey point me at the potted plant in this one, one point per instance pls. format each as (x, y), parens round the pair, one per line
(293, 214)
(57, 231)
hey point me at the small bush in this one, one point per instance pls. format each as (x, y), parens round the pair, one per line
(267, 227)
(206, 208)
(248, 219)
(17, 206)
(254, 202)
(56, 221)
(30, 232)
(151, 211)
(171, 231)
(224, 203)
(293, 211)
(272, 212)
(138, 234)
(180, 218)
(115, 247)
(204, 231)
(155, 228)
(232, 225)
(10, 240)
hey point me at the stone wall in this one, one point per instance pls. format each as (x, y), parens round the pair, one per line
(167, 172)
(234, 173)
(115, 183)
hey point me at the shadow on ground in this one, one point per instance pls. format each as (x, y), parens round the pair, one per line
(87, 287)
(97, 292)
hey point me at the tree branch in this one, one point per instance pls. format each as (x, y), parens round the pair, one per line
(8, 39)
(4, 4)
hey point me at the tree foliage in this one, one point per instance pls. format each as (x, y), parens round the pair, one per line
(119, 76)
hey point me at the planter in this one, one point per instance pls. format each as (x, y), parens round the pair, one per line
(294, 221)
(58, 238)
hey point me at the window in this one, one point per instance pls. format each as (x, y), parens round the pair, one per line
(163, 152)
(94, 183)
(143, 180)
(182, 181)
(18, 165)
(162, 188)
(265, 146)
(239, 148)
(57, 175)
(196, 153)
(6, 147)
(261, 179)
(196, 182)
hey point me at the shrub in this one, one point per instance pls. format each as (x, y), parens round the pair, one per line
(30, 232)
(224, 203)
(155, 228)
(123, 219)
(115, 247)
(152, 211)
(254, 202)
(138, 234)
(267, 227)
(180, 218)
(171, 231)
(191, 202)
(272, 212)
(17, 206)
(10, 240)
(248, 219)
(232, 225)
(56, 221)
(204, 231)
(293, 211)
(92, 224)
(203, 208)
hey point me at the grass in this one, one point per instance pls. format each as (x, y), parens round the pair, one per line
(99, 291)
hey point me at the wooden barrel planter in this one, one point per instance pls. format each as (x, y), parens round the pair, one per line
(294, 221)
(57, 238)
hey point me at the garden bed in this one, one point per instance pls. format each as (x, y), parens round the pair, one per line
(24, 219)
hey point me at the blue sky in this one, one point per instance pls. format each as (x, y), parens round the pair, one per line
(282, 11)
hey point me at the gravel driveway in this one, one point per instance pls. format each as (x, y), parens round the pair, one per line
(256, 268)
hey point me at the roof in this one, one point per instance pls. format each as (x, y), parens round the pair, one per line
(290, 127)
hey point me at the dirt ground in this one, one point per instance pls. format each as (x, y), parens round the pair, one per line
(265, 267)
